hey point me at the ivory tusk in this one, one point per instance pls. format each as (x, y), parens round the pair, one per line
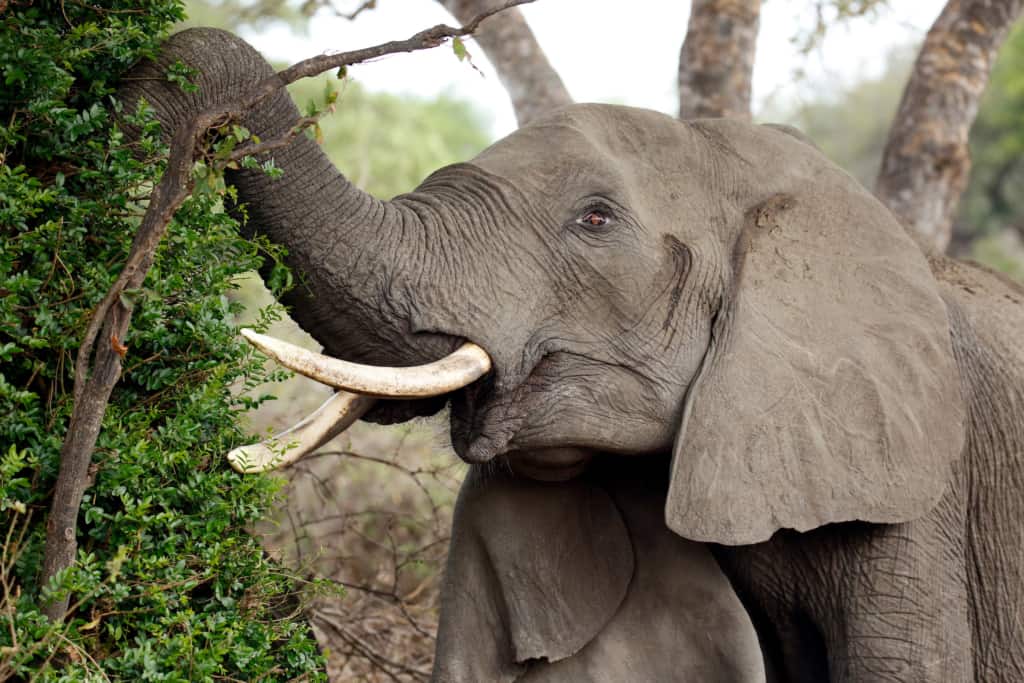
(281, 450)
(461, 367)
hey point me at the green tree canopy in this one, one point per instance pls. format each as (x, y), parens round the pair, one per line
(168, 584)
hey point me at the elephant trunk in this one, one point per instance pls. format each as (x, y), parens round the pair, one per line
(344, 245)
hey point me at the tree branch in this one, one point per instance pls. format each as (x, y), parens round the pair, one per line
(532, 84)
(94, 383)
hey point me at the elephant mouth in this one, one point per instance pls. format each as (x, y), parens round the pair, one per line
(484, 420)
(488, 407)
(487, 415)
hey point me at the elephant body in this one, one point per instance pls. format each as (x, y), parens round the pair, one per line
(937, 598)
(581, 581)
(933, 599)
(745, 355)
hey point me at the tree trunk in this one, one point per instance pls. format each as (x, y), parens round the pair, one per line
(533, 86)
(926, 161)
(716, 61)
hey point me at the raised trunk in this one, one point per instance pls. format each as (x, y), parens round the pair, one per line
(343, 244)
(716, 62)
(926, 160)
(533, 86)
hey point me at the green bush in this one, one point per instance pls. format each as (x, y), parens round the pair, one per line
(168, 584)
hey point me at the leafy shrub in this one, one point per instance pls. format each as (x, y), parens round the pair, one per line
(168, 584)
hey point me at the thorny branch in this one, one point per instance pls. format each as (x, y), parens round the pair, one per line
(113, 315)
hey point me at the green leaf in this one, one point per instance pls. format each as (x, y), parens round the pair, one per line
(459, 48)
(168, 582)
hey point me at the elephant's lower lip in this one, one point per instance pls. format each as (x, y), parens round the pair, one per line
(550, 464)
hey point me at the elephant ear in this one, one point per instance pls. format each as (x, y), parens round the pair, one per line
(829, 391)
(535, 571)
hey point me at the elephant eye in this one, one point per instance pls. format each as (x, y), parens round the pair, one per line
(594, 218)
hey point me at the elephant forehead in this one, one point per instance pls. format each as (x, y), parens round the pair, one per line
(590, 148)
(545, 155)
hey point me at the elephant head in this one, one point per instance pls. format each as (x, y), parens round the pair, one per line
(640, 285)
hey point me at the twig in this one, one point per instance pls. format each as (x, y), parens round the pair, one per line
(113, 315)
(367, 4)
(386, 666)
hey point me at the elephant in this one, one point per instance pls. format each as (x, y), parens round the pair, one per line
(725, 419)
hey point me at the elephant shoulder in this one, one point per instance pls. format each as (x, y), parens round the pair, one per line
(793, 132)
(986, 314)
(988, 301)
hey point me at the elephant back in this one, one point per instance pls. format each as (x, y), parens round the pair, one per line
(987, 326)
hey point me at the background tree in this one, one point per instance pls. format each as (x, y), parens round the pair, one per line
(993, 199)
(716, 62)
(850, 125)
(926, 161)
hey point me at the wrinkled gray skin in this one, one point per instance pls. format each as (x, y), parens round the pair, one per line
(750, 353)
(581, 580)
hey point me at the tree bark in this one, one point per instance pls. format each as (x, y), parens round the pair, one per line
(716, 61)
(926, 160)
(532, 84)
(75, 459)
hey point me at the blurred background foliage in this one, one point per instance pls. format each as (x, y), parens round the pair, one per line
(387, 144)
(850, 122)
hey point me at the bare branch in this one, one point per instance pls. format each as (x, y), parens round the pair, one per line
(532, 84)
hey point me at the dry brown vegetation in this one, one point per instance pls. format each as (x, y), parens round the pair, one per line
(371, 512)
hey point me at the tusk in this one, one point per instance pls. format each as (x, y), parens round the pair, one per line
(280, 450)
(463, 366)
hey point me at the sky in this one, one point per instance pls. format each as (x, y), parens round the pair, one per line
(605, 50)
